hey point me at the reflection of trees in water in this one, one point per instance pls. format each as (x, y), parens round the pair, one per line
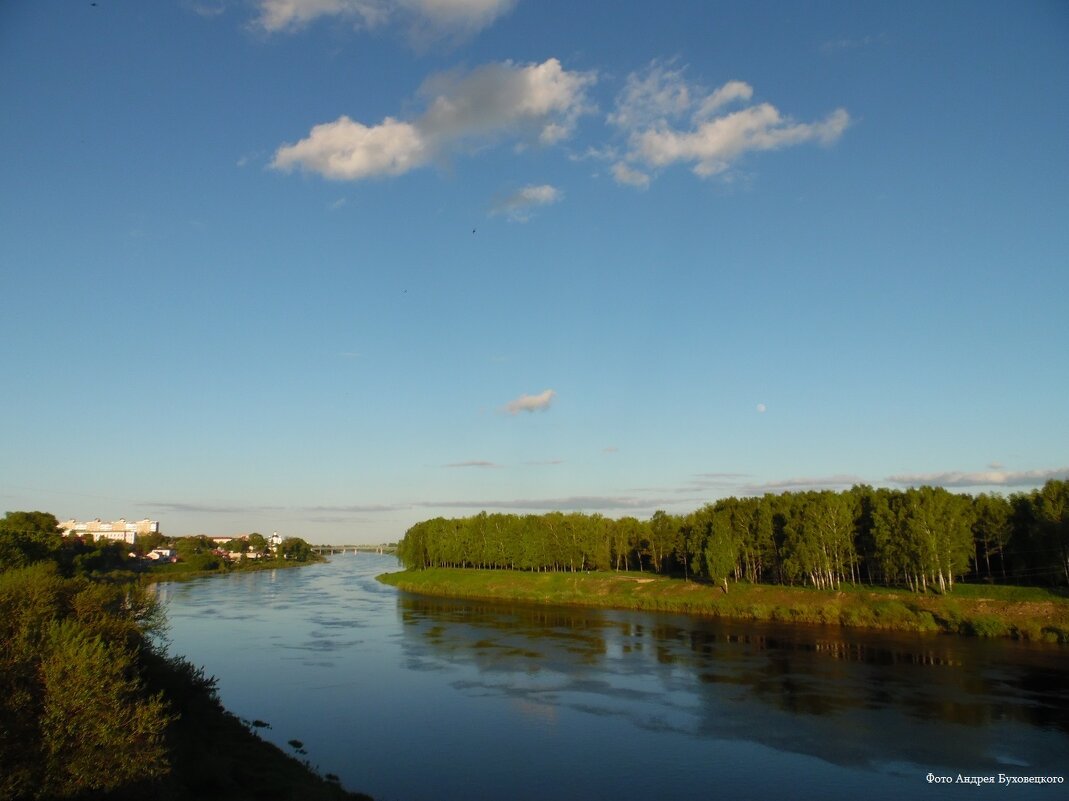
(926, 699)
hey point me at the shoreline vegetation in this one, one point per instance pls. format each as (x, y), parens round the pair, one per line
(920, 559)
(91, 703)
(1025, 613)
(178, 571)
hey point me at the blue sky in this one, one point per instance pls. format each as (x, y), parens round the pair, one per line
(332, 267)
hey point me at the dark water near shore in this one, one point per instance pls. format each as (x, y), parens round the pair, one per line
(413, 698)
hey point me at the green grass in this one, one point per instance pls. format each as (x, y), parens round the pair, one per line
(1024, 613)
(182, 571)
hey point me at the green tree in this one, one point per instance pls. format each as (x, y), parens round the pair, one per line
(28, 537)
(296, 549)
(257, 542)
(74, 716)
(991, 533)
(99, 734)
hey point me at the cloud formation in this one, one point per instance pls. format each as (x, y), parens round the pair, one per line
(531, 103)
(990, 478)
(531, 403)
(629, 176)
(356, 508)
(424, 18)
(572, 503)
(519, 205)
(207, 508)
(840, 481)
(473, 463)
(668, 120)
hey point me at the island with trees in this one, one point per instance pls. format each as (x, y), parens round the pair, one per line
(921, 559)
(91, 705)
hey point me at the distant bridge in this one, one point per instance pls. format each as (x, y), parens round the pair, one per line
(327, 550)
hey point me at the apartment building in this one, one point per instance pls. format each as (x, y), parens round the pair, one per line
(118, 530)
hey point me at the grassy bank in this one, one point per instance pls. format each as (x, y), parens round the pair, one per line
(1025, 613)
(181, 571)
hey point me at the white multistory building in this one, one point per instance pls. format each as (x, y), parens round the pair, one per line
(118, 530)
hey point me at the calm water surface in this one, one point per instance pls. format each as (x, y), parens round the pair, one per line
(415, 698)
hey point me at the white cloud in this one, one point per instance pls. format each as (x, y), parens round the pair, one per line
(540, 100)
(347, 150)
(668, 121)
(474, 463)
(761, 408)
(992, 478)
(424, 18)
(291, 15)
(629, 176)
(646, 99)
(531, 403)
(518, 205)
(714, 145)
(535, 102)
(728, 93)
(433, 19)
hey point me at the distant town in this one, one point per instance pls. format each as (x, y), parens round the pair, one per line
(147, 542)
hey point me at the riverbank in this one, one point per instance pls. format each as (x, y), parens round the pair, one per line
(214, 754)
(180, 571)
(1024, 613)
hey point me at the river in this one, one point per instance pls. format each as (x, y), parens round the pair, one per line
(413, 698)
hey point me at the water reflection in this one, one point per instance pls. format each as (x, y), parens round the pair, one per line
(413, 698)
(869, 700)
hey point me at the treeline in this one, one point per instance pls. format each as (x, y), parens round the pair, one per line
(92, 706)
(924, 539)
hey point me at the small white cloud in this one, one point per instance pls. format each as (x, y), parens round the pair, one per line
(247, 158)
(465, 111)
(646, 99)
(337, 204)
(207, 9)
(629, 176)
(668, 121)
(716, 144)
(835, 45)
(531, 403)
(424, 19)
(455, 19)
(610, 449)
(519, 205)
(347, 150)
(291, 15)
(728, 93)
(761, 408)
(474, 463)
